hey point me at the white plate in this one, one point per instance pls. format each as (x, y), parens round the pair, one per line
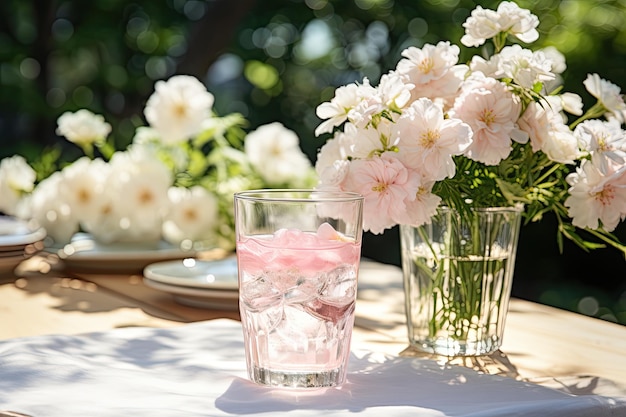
(198, 297)
(190, 272)
(16, 233)
(86, 254)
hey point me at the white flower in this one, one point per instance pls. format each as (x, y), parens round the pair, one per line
(480, 26)
(492, 111)
(548, 133)
(427, 141)
(556, 58)
(420, 210)
(178, 108)
(431, 62)
(336, 111)
(332, 159)
(52, 213)
(16, 179)
(596, 196)
(562, 146)
(608, 94)
(274, 151)
(489, 68)
(81, 187)
(524, 66)
(338, 148)
(137, 190)
(517, 22)
(370, 105)
(537, 123)
(394, 92)
(571, 103)
(193, 215)
(605, 141)
(333, 174)
(386, 184)
(372, 140)
(342, 106)
(83, 127)
(509, 18)
(434, 72)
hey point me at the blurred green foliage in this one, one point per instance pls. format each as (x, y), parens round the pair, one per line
(276, 60)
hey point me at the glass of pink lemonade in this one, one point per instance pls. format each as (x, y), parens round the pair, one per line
(298, 254)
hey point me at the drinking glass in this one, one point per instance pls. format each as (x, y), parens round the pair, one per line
(298, 255)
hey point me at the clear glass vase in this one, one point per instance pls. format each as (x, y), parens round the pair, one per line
(458, 272)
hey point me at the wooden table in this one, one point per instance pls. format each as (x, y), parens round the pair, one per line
(544, 345)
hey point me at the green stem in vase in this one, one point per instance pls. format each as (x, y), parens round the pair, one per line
(462, 274)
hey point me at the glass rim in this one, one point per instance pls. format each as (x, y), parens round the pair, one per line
(298, 195)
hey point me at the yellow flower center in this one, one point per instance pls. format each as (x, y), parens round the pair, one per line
(380, 187)
(429, 138)
(180, 110)
(602, 144)
(488, 116)
(426, 65)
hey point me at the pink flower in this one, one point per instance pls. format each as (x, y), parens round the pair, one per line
(596, 195)
(428, 63)
(421, 210)
(544, 125)
(600, 137)
(491, 110)
(428, 141)
(336, 111)
(608, 94)
(433, 70)
(385, 183)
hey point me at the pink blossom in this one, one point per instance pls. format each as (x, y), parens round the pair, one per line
(544, 125)
(603, 137)
(428, 63)
(596, 196)
(428, 141)
(420, 210)
(433, 70)
(608, 94)
(491, 110)
(385, 183)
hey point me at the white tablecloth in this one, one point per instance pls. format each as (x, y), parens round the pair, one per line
(199, 370)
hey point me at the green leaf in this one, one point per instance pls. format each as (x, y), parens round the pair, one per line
(514, 193)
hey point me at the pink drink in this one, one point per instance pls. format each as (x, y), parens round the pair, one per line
(297, 297)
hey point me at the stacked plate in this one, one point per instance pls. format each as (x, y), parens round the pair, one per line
(197, 283)
(84, 254)
(19, 240)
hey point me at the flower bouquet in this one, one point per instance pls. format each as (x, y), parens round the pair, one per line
(437, 137)
(174, 182)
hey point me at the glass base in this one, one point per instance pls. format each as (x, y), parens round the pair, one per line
(451, 348)
(324, 379)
